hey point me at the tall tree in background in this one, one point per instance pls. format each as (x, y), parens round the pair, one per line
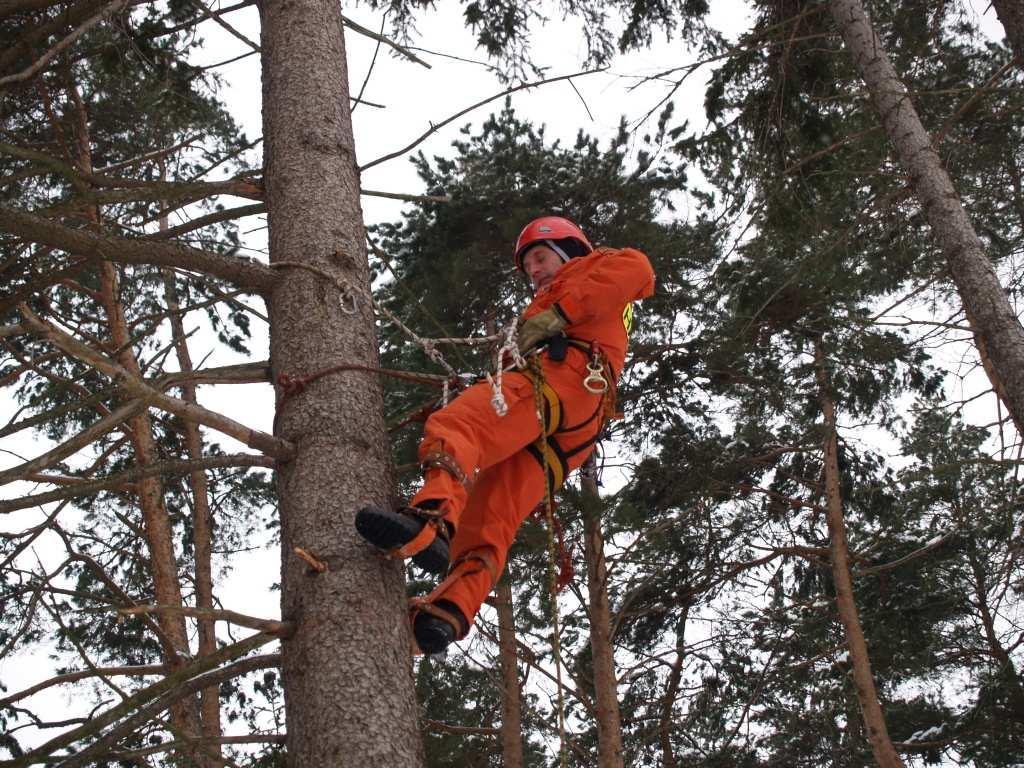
(1012, 17)
(999, 334)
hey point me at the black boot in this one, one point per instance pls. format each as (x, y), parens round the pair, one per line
(388, 529)
(433, 634)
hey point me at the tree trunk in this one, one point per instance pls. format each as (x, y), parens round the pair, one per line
(202, 520)
(1011, 16)
(511, 703)
(675, 677)
(606, 698)
(999, 334)
(863, 680)
(347, 672)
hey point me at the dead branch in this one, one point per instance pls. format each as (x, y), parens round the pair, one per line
(73, 677)
(435, 127)
(244, 373)
(156, 154)
(273, 446)
(75, 444)
(33, 421)
(186, 744)
(208, 14)
(125, 250)
(283, 629)
(173, 467)
(438, 726)
(407, 198)
(931, 546)
(211, 218)
(381, 39)
(184, 682)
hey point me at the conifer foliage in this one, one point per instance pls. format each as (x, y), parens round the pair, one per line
(801, 545)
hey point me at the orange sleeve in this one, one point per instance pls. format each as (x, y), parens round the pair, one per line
(615, 279)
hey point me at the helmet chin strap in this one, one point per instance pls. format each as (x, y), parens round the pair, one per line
(557, 249)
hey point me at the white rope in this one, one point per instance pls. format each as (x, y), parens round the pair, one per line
(510, 348)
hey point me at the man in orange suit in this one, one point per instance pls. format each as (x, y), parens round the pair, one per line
(484, 472)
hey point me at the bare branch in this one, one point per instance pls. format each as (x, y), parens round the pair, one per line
(181, 683)
(408, 198)
(273, 446)
(438, 126)
(381, 39)
(185, 744)
(211, 218)
(125, 250)
(172, 467)
(208, 14)
(439, 727)
(244, 373)
(280, 628)
(72, 677)
(75, 444)
(931, 546)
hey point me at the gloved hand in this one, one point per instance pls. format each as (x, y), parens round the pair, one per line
(541, 326)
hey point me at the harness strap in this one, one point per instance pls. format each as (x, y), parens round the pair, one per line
(439, 459)
(554, 461)
(434, 527)
(471, 562)
(553, 414)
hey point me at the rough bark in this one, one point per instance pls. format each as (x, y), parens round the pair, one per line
(998, 331)
(347, 672)
(606, 699)
(511, 702)
(1011, 16)
(863, 679)
(202, 520)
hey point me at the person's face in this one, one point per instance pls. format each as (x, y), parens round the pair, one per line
(540, 264)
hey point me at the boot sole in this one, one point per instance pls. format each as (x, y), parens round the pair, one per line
(432, 635)
(386, 529)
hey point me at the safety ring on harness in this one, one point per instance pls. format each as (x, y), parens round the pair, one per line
(595, 383)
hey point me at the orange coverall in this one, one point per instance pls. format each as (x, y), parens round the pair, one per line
(506, 480)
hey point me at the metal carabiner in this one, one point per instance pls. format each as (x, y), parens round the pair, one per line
(595, 383)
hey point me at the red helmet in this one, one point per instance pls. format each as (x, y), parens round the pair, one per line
(551, 228)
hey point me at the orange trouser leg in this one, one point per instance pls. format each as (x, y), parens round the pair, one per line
(503, 498)
(471, 432)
